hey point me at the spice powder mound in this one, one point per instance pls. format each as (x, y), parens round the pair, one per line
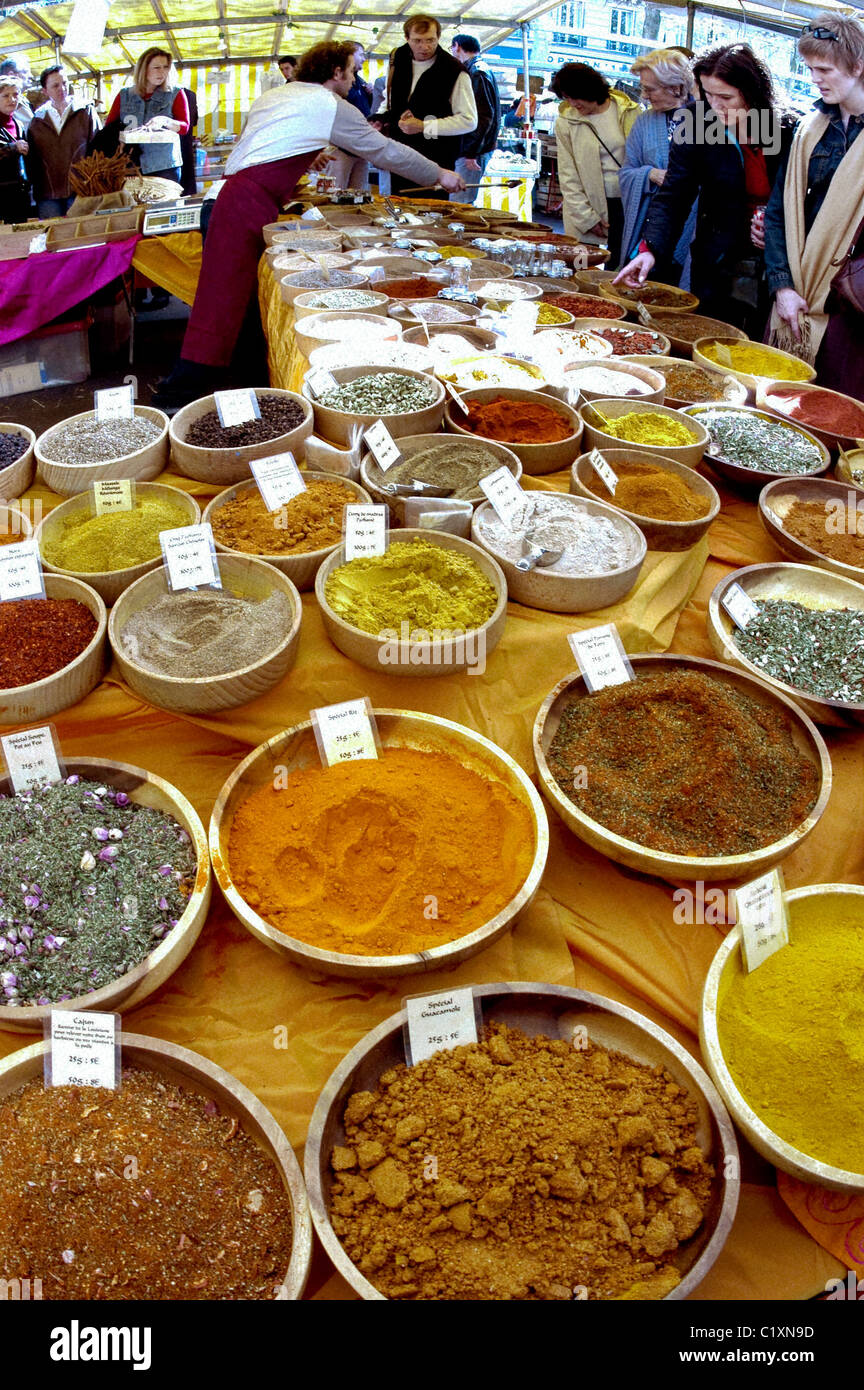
(202, 1212)
(685, 764)
(520, 1168)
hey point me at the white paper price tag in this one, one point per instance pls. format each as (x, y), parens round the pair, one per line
(38, 244)
(739, 605)
(319, 381)
(20, 572)
(504, 493)
(365, 531)
(376, 273)
(762, 916)
(645, 314)
(236, 407)
(190, 557)
(603, 469)
(24, 376)
(116, 403)
(520, 322)
(278, 478)
(31, 758)
(113, 495)
(345, 731)
(437, 1022)
(601, 657)
(84, 1050)
(382, 445)
(448, 386)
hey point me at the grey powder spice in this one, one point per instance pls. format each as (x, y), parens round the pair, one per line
(206, 632)
(86, 441)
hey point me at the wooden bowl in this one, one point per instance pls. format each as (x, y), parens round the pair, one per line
(305, 234)
(749, 380)
(16, 477)
(179, 1066)
(372, 476)
(801, 584)
(231, 465)
(373, 354)
(109, 584)
(676, 867)
(597, 438)
(143, 465)
(659, 535)
(709, 327)
(404, 311)
(24, 704)
(598, 325)
(14, 523)
(569, 593)
(598, 306)
(557, 1012)
(734, 392)
(776, 1150)
(685, 302)
(849, 461)
(483, 268)
(653, 379)
(242, 575)
(377, 327)
(291, 286)
(430, 272)
(393, 263)
(589, 281)
(534, 374)
(302, 567)
(769, 394)
(295, 748)
(337, 425)
(495, 292)
(304, 306)
(535, 458)
(478, 337)
(437, 656)
(283, 262)
(144, 979)
(775, 501)
(750, 478)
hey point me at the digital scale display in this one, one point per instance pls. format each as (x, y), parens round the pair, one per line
(182, 218)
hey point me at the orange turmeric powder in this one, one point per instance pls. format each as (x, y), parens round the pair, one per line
(381, 857)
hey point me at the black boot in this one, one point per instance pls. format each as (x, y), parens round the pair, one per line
(187, 382)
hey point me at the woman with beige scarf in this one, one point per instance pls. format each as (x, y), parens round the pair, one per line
(814, 216)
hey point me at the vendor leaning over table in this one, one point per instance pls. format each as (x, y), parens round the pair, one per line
(286, 130)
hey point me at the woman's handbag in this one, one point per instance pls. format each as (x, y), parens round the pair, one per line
(849, 280)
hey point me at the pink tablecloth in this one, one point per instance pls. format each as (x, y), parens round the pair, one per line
(35, 290)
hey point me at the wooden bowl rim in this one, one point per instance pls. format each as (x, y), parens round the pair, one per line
(610, 405)
(516, 393)
(615, 514)
(147, 412)
(662, 461)
(367, 369)
(233, 449)
(755, 474)
(97, 607)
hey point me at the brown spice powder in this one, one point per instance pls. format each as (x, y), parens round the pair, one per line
(310, 521)
(520, 1168)
(809, 522)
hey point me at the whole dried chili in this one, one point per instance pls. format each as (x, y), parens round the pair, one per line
(39, 636)
(585, 306)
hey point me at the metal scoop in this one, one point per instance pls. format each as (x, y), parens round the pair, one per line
(534, 554)
(416, 489)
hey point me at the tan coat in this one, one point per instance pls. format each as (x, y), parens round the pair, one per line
(579, 172)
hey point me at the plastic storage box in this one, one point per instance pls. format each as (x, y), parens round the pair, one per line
(56, 355)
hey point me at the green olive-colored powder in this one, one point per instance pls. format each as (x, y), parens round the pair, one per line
(93, 544)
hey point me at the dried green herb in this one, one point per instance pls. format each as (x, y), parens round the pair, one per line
(817, 650)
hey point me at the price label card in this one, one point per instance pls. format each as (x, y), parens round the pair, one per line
(760, 909)
(84, 1049)
(345, 731)
(113, 495)
(278, 478)
(382, 445)
(604, 470)
(25, 376)
(724, 355)
(32, 758)
(504, 493)
(601, 656)
(365, 531)
(236, 407)
(190, 557)
(116, 403)
(20, 572)
(319, 381)
(739, 605)
(376, 273)
(644, 313)
(448, 385)
(437, 1022)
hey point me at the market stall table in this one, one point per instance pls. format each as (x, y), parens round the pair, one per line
(40, 287)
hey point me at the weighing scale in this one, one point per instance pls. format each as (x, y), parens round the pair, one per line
(172, 217)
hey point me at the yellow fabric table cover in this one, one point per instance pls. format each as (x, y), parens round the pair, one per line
(172, 261)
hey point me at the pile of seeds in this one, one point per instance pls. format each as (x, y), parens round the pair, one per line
(631, 341)
(764, 445)
(90, 883)
(278, 416)
(12, 446)
(316, 279)
(86, 441)
(817, 650)
(345, 299)
(381, 393)
(39, 636)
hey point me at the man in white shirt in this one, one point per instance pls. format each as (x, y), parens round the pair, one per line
(430, 99)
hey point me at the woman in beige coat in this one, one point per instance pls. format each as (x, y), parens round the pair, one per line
(590, 133)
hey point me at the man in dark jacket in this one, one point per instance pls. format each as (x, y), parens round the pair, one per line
(478, 147)
(430, 100)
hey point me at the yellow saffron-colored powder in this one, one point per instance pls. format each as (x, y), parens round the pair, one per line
(116, 541)
(644, 427)
(756, 360)
(416, 582)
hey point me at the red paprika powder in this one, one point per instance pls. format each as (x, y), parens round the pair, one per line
(39, 636)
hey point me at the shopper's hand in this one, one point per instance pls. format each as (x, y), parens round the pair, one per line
(636, 272)
(409, 125)
(657, 176)
(321, 160)
(757, 229)
(22, 147)
(473, 165)
(449, 179)
(155, 123)
(600, 228)
(789, 305)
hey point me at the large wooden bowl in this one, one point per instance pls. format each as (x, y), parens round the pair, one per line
(290, 286)
(435, 657)
(144, 979)
(337, 426)
(800, 584)
(597, 438)
(551, 1011)
(775, 501)
(143, 465)
(782, 1154)
(478, 337)
(652, 377)
(702, 327)
(373, 353)
(495, 292)
(16, 477)
(313, 235)
(373, 478)
(676, 867)
(301, 568)
(242, 575)
(403, 310)
(388, 285)
(589, 281)
(181, 1067)
(734, 392)
(749, 380)
(294, 749)
(24, 704)
(370, 327)
(598, 325)
(225, 466)
(109, 584)
(598, 305)
(750, 479)
(303, 305)
(659, 535)
(685, 302)
(535, 458)
(771, 394)
(284, 262)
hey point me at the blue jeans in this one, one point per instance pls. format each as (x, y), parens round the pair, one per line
(53, 207)
(470, 176)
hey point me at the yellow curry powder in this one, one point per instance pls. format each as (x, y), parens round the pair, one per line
(385, 856)
(757, 361)
(416, 582)
(644, 427)
(792, 1031)
(310, 521)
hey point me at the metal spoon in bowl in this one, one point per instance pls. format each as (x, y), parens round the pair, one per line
(534, 554)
